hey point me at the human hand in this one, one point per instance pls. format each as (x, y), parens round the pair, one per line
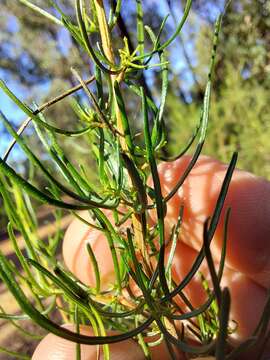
(247, 268)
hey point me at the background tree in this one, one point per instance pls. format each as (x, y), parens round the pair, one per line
(240, 103)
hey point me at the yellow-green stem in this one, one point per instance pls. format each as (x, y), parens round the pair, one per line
(108, 51)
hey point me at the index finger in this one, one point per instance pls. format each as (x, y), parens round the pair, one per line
(248, 244)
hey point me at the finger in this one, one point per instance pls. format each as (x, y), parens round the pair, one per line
(77, 258)
(248, 299)
(249, 226)
(53, 347)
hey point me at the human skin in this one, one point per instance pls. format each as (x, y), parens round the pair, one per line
(56, 348)
(247, 267)
(75, 253)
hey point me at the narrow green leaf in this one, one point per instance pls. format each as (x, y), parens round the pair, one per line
(77, 323)
(223, 328)
(42, 12)
(175, 34)
(95, 266)
(69, 282)
(137, 91)
(199, 147)
(15, 355)
(105, 223)
(140, 27)
(221, 198)
(210, 263)
(124, 117)
(158, 195)
(115, 15)
(36, 118)
(137, 181)
(175, 236)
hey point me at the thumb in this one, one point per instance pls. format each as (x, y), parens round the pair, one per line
(53, 347)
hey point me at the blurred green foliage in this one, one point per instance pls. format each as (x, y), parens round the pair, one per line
(239, 121)
(240, 107)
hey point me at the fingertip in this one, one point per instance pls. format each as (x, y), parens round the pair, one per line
(76, 257)
(53, 347)
(248, 231)
(248, 300)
